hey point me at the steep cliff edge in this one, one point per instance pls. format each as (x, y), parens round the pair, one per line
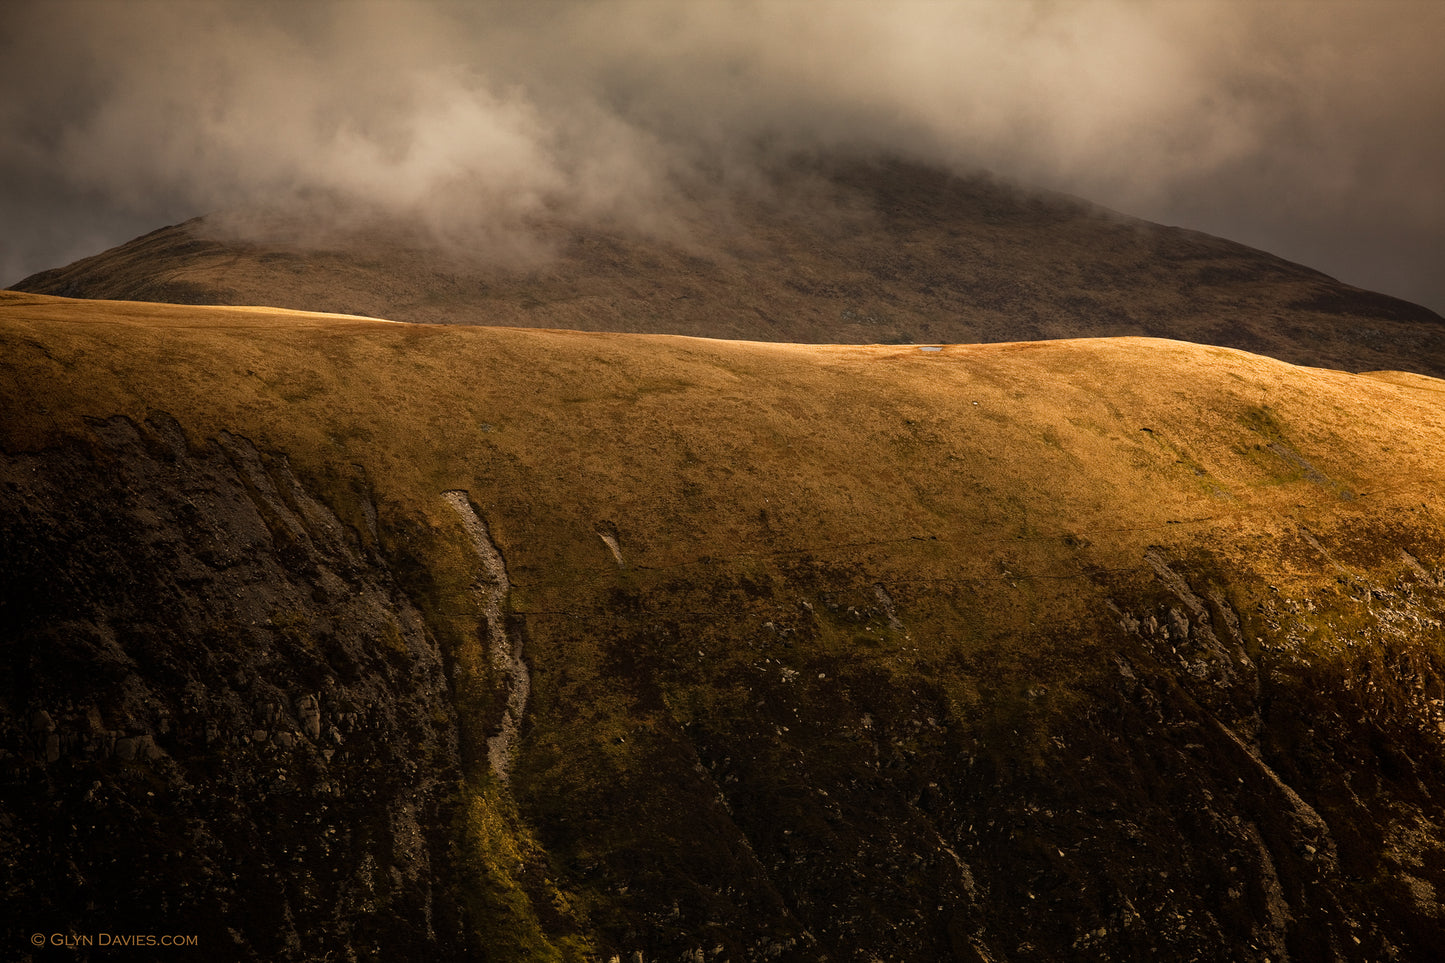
(220, 715)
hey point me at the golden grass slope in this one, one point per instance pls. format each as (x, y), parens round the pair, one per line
(983, 462)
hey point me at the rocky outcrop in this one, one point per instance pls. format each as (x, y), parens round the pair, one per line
(220, 716)
(504, 648)
(1205, 791)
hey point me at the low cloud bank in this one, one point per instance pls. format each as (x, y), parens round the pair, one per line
(1314, 129)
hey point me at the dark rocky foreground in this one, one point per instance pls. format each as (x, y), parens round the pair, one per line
(220, 716)
(223, 714)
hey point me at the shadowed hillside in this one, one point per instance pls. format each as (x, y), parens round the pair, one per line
(334, 636)
(852, 254)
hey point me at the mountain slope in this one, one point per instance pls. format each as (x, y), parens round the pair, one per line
(1122, 649)
(838, 253)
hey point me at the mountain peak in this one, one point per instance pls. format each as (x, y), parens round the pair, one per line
(850, 253)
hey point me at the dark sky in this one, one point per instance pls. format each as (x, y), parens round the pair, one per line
(1314, 129)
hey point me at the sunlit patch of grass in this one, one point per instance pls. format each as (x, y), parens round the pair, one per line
(502, 881)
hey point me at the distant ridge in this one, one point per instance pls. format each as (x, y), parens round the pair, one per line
(846, 253)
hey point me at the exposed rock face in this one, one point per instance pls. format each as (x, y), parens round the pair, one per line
(224, 718)
(219, 715)
(505, 650)
(1210, 794)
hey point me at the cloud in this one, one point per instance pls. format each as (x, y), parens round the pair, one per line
(1310, 128)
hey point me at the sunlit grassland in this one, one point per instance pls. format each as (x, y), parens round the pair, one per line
(983, 466)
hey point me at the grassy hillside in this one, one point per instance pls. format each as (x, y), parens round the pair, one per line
(684, 445)
(1116, 647)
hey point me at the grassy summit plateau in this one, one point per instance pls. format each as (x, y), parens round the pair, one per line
(685, 443)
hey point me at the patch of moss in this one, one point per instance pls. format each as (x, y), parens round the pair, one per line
(515, 911)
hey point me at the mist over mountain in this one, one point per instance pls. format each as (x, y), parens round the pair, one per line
(1310, 129)
(820, 251)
